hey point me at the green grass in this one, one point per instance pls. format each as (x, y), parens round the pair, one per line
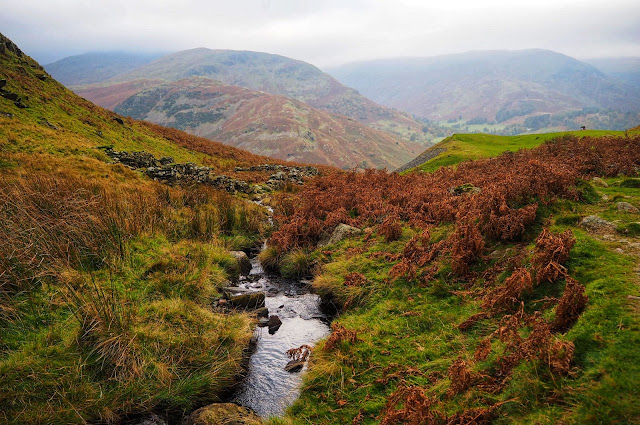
(171, 351)
(412, 330)
(464, 147)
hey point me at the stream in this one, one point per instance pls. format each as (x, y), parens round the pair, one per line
(268, 389)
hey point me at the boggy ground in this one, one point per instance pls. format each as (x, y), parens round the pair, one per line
(487, 304)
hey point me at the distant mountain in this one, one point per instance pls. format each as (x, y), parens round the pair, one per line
(502, 86)
(262, 123)
(626, 69)
(272, 74)
(94, 67)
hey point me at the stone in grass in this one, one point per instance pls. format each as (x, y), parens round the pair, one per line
(222, 414)
(341, 232)
(626, 207)
(596, 224)
(464, 188)
(598, 182)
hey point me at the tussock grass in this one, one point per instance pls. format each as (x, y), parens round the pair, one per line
(296, 264)
(105, 296)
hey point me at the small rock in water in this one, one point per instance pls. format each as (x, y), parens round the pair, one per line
(298, 357)
(282, 306)
(274, 324)
(263, 321)
(262, 312)
(294, 366)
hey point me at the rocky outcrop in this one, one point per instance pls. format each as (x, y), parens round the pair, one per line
(133, 159)
(222, 414)
(598, 182)
(167, 171)
(15, 98)
(283, 174)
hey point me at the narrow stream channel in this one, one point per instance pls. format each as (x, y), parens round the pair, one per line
(268, 389)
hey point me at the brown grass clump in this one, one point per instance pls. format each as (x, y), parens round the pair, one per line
(477, 416)
(339, 334)
(550, 253)
(560, 355)
(390, 228)
(52, 222)
(508, 295)
(299, 354)
(466, 247)
(571, 305)
(355, 279)
(106, 326)
(409, 405)
(461, 377)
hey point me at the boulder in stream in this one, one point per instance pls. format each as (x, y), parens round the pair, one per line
(222, 414)
(249, 301)
(243, 262)
(274, 324)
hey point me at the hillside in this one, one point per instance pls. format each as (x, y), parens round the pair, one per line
(94, 67)
(272, 74)
(108, 276)
(466, 147)
(625, 69)
(502, 291)
(266, 124)
(488, 86)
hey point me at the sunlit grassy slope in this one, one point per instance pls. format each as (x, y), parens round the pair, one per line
(464, 147)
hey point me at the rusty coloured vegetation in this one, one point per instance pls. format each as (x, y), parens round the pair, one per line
(512, 188)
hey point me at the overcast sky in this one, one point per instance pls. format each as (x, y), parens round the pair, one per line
(325, 33)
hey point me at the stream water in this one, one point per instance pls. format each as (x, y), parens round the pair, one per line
(268, 389)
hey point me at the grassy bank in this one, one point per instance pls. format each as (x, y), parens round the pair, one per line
(106, 296)
(465, 147)
(458, 320)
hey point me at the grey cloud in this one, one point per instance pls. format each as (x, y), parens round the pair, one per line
(323, 32)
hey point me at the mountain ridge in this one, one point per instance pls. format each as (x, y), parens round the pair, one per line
(273, 74)
(487, 84)
(278, 127)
